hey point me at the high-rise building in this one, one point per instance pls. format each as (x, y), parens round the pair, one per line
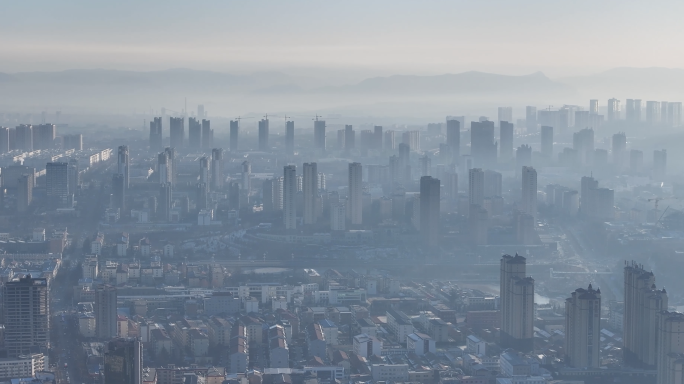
(636, 161)
(389, 142)
(587, 198)
(670, 347)
(476, 187)
(524, 229)
(57, 184)
(547, 142)
(119, 192)
(412, 139)
(319, 134)
(453, 137)
(217, 169)
(619, 150)
(652, 112)
(123, 164)
(4, 140)
(24, 137)
(528, 204)
(202, 198)
(278, 193)
(674, 114)
(234, 131)
(505, 140)
(164, 168)
(24, 192)
(583, 328)
(377, 137)
(355, 194)
(289, 196)
(349, 137)
(593, 107)
(105, 311)
(425, 166)
(194, 133)
(310, 190)
(123, 362)
(156, 137)
(505, 114)
(482, 144)
(26, 309)
(429, 210)
(177, 131)
(74, 177)
(659, 164)
(246, 176)
(583, 144)
(492, 183)
(613, 111)
(290, 137)
(531, 119)
(523, 156)
(204, 172)
(633, 110)
(207, 135)
(44, 136)
(478, 224)
(165, 202)
(74, 141)
(517, 304)
(263, 135)
(338, 213)
(643, 303)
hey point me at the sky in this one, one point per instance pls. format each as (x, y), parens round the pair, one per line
(355, 37)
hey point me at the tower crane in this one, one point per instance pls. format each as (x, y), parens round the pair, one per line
(657, 200)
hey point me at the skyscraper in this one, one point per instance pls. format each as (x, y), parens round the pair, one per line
(289, 196)
(389, 142)
(670, 347)
(425, 166)
(529, 191)
(246, 176)
(177, 131)
(123, 362)
(652, 112)
(349, 137)
(523, 156)
(643, 303)
(310, 190)
(633, 110)
(583, 328)
(619, 150)
(194, 134)
(156, 137)
(531, 119)
(613, 111)
(204, 172)
(453, 137)
(105, 311)
(505, 140)
(263, 135)
(355, 194)
(475, 186)
(74, 176)
(202, 198)
(583, 143)
(517, 304)
(593, 107)
(165, 202)
(24, 192)
(217, 169)
(26, 309)
(172, 165)
(207, 135)
(587, 198)
(482, 144)
(24, 137)
(4, 140)
(290, 137)
(659, 164)
(377, 137)
(278, 193)
(338, 213)
(234, 131)
(57, 184)
(44, 136)
(164, 168)
(123, 165)
(319, 134)
(505, 114)
(119, 192)
(547, 142)
(429, 210)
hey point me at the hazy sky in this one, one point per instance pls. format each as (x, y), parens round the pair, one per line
(378, 36)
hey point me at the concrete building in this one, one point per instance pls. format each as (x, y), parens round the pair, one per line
(476, 186)
(429, 210)
(483, 147)
(105, 311)
(123, 361)
(217, 177)
(613, 110)
(177, 131)
(529, 191)
(156, 137)
(354, 201)
(289, 196)
(517, 304)
(234, 134)
(319, 135)
(263, 135)
(670, 347)
(310, 191)
(57, 184)
(505, 140)
(547, 142)
(26, 309)
(582, 328)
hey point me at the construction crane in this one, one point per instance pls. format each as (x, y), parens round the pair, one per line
(657, 200)
(242, 118)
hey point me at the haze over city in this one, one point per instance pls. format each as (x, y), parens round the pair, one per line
(268, 192)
